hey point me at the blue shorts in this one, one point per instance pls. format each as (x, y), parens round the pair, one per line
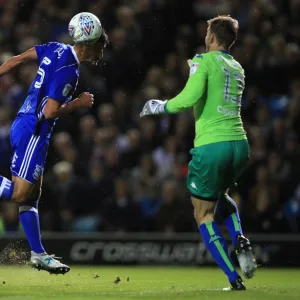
(29, 151)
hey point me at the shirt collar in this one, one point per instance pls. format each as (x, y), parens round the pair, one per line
(75, 55)
(225, 52)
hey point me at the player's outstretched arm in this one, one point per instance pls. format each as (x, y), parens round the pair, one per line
(54, 109)
(193, 90)
(189, 96)
(10, 64)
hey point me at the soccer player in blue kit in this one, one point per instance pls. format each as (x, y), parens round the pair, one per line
(49, 97)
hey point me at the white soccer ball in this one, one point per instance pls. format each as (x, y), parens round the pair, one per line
(85, 28)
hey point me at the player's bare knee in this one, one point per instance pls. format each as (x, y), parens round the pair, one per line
(199, 214)
(203, 211)
(34, 197)
(195, 214)
(207, 218)
(20, 196)
(203, 216)
(22, 190)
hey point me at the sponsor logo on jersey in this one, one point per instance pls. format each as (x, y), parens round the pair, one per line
(194, 68)
(59, 52)
(67, 89)
(227, 112)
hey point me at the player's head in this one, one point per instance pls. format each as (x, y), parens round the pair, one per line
(89, 37)
(222, 32)
(92, 53)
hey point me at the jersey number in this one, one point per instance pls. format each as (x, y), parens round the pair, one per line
(239, 80)
(41, 72)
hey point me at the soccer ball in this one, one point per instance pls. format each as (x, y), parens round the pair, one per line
(85, 28)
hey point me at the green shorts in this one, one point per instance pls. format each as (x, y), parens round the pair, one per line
(215, 168)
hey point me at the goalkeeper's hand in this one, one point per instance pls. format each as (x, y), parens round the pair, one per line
(153, 107)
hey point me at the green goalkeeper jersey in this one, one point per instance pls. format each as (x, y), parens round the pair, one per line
(214, 89)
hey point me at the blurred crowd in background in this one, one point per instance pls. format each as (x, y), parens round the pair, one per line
(110, 170)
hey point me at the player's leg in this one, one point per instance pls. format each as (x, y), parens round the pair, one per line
(30, 151)
(214, 240)
(30, 221)
(227, 212)
(27, 195)
(6, 188)
(27, 163)
(29, 217)
(205, 183)
(243, 249)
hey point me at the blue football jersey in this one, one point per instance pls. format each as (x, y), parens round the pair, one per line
(57, 78)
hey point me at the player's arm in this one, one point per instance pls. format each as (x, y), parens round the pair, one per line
(192, 92)
(188, 97)
(54, 109)
(60, 90)
(10, 64)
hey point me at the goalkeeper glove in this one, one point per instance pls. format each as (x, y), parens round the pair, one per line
(153, 107)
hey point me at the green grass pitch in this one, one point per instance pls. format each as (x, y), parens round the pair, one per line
(144, 283)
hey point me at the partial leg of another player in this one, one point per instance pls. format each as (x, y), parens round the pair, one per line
(227, 212)
(214, 240)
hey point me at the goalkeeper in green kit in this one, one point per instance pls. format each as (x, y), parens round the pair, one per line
(214, 90)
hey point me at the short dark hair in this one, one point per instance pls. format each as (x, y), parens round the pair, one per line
(103, 39)
(225, 28)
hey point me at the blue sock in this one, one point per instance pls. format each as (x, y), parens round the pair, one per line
(216, 245)
(6, 188)
(233, 222)
(31, 224)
